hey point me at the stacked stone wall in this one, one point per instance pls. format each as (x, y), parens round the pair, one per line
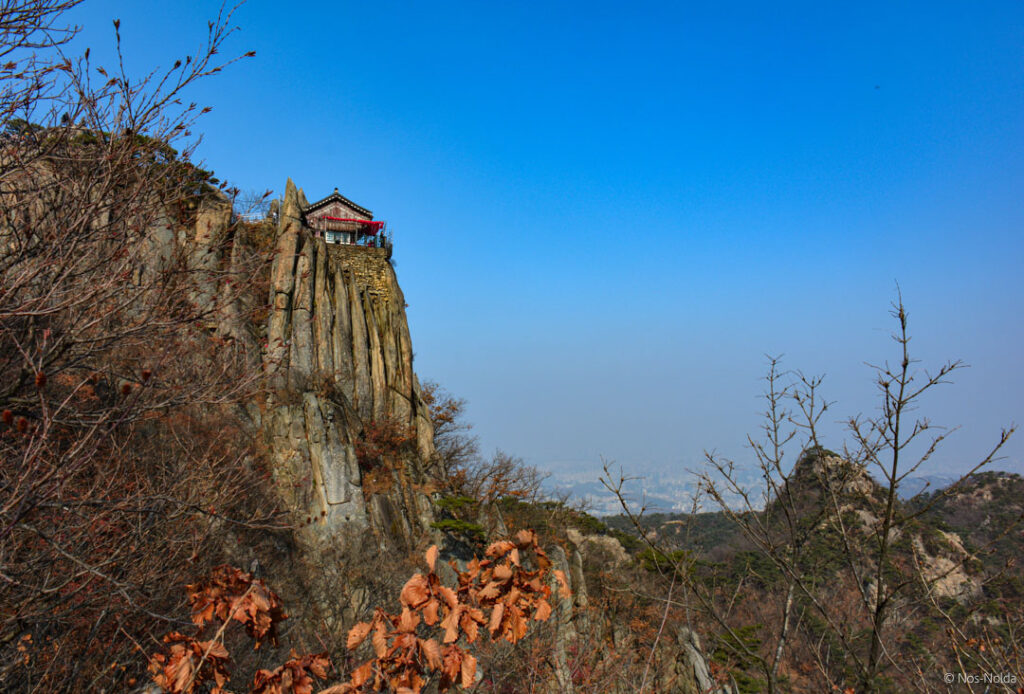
(368, 268)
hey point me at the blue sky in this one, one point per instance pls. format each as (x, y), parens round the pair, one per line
(606, 214)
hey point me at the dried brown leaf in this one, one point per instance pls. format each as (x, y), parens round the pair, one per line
(432, 652)
(526, 538)
(451, 624)
(408, 621)
(468, 671)
(500, 548)
(357, 634)
(496, 616)
(430, 612)
(362, 674)
(416, 591)
(450, 598)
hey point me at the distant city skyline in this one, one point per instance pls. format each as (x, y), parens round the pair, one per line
(605, 216)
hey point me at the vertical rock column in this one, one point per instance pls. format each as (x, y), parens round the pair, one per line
(339, 356)
(310, 432)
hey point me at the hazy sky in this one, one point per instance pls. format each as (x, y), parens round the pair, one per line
(606, 214)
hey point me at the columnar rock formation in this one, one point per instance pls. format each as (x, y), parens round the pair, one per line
(339, 360)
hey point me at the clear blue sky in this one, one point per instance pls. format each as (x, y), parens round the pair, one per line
(607, 213)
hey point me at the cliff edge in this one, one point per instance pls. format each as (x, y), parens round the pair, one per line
(339, 364)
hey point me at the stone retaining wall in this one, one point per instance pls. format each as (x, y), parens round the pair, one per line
(367, 267)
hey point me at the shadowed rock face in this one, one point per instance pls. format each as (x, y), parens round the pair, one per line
(339, 356)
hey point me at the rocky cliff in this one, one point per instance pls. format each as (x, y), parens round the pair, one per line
(340, 364)
(341, 393)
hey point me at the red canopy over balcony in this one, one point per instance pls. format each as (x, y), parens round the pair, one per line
(371, 226)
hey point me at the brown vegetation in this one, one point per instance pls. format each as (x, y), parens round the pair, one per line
(499, 594)
(833, 583)
(131, 312)
(127, 465)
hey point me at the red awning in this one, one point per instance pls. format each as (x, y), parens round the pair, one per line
(374, 226)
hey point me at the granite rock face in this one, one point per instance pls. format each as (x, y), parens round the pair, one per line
(339, 360)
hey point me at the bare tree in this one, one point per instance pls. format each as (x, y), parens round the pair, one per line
(127, 461)
(455, 446)
(840, 577)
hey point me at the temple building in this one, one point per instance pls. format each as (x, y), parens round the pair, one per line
(338, 220)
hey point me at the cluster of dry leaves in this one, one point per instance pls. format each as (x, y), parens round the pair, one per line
(381, 441)
(501, 593)
(231, 595)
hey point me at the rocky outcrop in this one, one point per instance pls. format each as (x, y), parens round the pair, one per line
(944, 566)
(609, 549)
(687, 671)
(338, 360)
(206, 248)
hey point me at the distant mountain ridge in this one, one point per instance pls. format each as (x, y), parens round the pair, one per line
(912, 486)
(971, 518)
